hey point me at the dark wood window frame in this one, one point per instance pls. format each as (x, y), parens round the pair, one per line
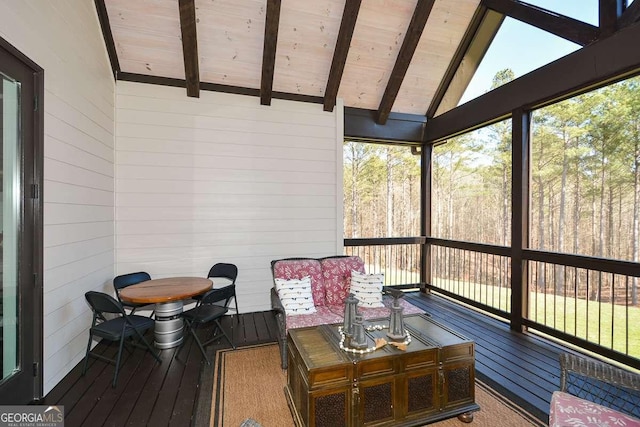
(31, 269)
(572, 75)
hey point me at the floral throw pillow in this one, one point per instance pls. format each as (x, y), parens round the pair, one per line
(295, 295)
(336, 273)
(367, 288)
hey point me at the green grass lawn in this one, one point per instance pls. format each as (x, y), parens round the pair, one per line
(394, 276)
(612, 326)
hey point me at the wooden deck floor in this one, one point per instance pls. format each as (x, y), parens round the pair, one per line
(150, 394)
(523, 367)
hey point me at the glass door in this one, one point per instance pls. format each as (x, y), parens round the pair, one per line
(20, 212)
(9, 175)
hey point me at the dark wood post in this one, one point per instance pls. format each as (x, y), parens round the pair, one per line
(520, 216)
(425, 213)
(608, 13)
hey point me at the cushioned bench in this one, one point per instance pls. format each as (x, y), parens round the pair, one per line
(568, 410)
(320, 298)
(594, 393)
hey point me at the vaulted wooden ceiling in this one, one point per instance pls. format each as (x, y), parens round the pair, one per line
(381, 55)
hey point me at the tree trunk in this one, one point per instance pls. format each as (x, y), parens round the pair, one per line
(610, 242)
(389, 195)
(354, 193)
(450, 213)
(576, 206)
(602, 194)
(505, 208)
(595, 290)
(541, 228)
(636, 210)
(561, 214)
(594, 245)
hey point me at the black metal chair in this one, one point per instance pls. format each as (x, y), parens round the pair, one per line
(208, 311)
(124, 280)
(116, 329)
(226, 271)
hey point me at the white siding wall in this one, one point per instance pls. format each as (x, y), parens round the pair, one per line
(223, 179)
(64, 38)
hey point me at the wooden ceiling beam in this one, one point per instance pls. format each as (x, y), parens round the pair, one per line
(361, 123)
(216, 87)
(615, 57)
(562, 26)
(105, 26)
(609, 12)
(630, 15)
(269, 51)
(347, 25)
(470, 51)
(190, 46)
(409, 45)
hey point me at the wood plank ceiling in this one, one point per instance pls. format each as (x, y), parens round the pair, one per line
(231, 46)
(379, 55)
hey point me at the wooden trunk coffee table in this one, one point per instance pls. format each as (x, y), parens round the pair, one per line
(430, 381)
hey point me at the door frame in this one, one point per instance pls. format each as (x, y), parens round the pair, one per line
(32, 200)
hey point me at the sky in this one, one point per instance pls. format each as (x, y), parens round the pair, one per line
(533, 47)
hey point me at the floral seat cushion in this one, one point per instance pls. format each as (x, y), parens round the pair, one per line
(568, 410)
(323, 315)
(327, 315)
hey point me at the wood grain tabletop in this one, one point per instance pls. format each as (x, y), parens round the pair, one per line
(165, 290)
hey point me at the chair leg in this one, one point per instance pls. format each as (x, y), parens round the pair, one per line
(235, 300)
(192, 330)
(225, 334)
(202, 350)
(149, 347)
(115, 375)
(215, 337)
(86, 355)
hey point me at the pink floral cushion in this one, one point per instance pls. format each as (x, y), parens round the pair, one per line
(322, 316)
(569, 410)
(336, 274)
(299, 268)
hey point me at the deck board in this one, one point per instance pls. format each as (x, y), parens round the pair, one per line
(163, 410)
(186, 396)
(145, 403)
(521, 366)
(149, 393)
(130, 397)
(74, 385)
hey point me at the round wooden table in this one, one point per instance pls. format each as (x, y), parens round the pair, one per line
(168, 295)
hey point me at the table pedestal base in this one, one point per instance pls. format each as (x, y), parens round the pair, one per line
(169, 325)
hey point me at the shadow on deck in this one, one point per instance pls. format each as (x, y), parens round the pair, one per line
(523, 367)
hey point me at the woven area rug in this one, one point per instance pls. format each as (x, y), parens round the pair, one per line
(248, 383)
